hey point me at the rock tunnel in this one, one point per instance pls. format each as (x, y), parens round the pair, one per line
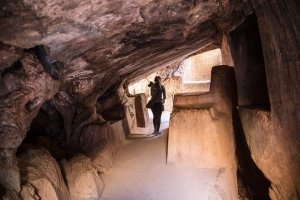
(73, 79)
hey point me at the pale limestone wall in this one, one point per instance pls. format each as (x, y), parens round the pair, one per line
(173, 85)
(192, 75)
(198, 67)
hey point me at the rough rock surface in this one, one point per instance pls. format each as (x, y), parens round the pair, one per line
(9, 55)
(83, 172)
(82, 178)
(100, 38)
(24, 88)
(100, 143)
(103, 44)
(41, 176)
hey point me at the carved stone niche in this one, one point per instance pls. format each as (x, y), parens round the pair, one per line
(137, 118)
(140, 110)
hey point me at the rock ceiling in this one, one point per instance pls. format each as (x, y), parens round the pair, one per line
(104, 38)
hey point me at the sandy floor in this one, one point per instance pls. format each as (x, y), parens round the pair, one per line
(140, 173)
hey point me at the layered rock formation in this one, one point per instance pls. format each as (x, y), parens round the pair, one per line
(67, 62)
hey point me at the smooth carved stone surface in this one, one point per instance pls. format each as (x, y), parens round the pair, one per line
(220, 96)
(210, 113)
(207, 144)
(267, 149)
(41, 176)
(195, 139)
(83, 180)
(201, 129)
(282, 61)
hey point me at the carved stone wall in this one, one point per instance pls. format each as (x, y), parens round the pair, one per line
(201, 129)
(272, 135)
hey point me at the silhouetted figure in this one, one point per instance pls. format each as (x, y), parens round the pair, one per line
(158, 95)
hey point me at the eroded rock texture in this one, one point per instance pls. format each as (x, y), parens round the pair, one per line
(83, 180)
(66, 62)
(41, 176)
(24, 88)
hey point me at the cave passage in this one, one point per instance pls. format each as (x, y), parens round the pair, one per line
(74, 81)
(140, 171)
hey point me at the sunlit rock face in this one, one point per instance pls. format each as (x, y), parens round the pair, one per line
(197, 68)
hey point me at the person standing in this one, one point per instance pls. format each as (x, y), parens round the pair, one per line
(158, 95)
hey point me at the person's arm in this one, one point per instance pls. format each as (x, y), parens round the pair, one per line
(164, 93)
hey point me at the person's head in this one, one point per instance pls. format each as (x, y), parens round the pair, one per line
(157, 79)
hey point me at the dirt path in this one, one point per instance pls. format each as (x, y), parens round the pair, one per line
(140, 173)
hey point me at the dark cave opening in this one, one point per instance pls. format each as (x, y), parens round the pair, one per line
(253, 178)
(47, 131)
(249, 62)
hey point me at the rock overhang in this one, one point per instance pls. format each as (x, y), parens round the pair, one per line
(120, 38)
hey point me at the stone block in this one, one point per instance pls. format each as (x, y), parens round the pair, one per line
(196, 138)
(201, 129)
